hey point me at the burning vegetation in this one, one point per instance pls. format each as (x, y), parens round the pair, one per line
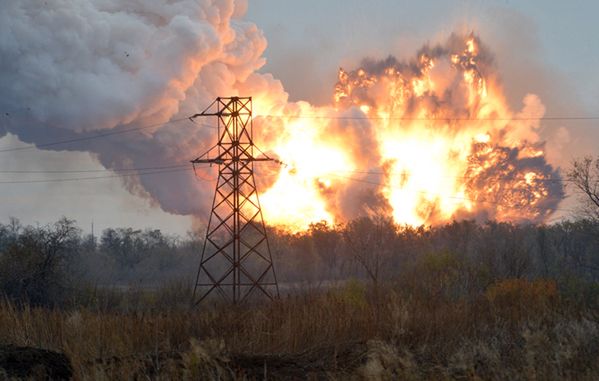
(425, 141)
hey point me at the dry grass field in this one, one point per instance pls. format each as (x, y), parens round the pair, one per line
(516, 329)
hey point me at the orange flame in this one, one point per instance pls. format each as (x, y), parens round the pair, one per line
(425, 141)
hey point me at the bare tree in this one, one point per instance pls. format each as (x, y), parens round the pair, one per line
(33, 267)
(584, 175)
(371, 242)
(325, 240)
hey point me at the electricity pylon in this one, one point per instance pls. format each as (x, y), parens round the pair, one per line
(236, 259)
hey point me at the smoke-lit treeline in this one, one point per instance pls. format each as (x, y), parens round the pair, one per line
(424, 140)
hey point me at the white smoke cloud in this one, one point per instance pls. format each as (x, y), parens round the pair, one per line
(71, 67)
(85, 65)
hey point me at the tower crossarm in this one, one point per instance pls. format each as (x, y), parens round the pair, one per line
(207, 161)
(222, 161)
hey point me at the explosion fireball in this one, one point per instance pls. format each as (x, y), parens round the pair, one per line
(425, 141)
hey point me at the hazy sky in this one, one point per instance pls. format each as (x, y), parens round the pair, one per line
(545, 47)
(309, 40)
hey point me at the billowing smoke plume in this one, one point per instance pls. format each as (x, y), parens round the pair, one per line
(425, 140)
(71, 68)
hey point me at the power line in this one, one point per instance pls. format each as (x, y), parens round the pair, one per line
(95, 170)
(60, 180)
(97, 136)
(460, 177)
(175, 166)
(450, 197)
(407, 118)
(123, 131)
(376, 173)
(435, 194)
(179, 168)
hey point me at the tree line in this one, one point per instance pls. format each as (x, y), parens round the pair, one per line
(45, 265)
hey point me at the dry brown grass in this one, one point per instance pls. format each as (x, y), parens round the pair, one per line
(516, 330)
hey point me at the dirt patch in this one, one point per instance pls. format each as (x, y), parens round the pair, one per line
(317, 364)
(34, 363)
(208, 360)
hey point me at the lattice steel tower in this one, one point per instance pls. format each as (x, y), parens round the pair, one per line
(236, 259)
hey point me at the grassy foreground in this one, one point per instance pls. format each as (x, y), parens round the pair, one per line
(516, 329)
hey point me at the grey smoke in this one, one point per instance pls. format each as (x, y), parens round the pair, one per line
(71, 69)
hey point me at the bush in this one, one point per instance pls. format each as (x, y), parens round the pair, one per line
(33, 267)
(437, 275)
(515, 298)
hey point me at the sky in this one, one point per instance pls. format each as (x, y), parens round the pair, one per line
(545, 47)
